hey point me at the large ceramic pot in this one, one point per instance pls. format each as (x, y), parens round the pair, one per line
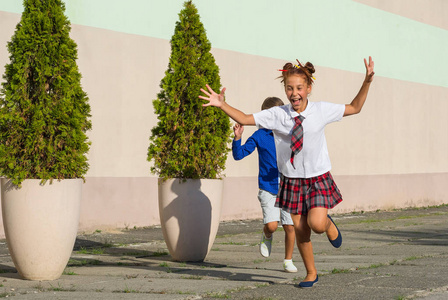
(41, 223)
(189, 215)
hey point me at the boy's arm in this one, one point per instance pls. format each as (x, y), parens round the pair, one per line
(241, 151)
(358, 102)
(218, 100)
(238, 131)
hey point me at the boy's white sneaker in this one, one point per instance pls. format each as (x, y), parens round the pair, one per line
(288, 266)
(265, 245)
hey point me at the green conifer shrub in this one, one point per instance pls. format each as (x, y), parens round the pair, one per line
(189, 141)
(44, 113)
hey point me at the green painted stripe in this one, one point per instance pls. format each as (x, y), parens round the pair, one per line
(336, 34)
(11, 6)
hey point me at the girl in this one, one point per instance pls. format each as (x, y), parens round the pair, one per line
(307, 189)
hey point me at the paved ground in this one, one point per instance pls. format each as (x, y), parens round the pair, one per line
(385, 255)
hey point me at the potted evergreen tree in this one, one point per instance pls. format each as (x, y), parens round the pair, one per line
(189, 145)
(44, 116)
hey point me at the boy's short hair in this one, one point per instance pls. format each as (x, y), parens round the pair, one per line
(271, 102)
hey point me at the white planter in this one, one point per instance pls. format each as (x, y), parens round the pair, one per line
(189, 215)
(41, 223)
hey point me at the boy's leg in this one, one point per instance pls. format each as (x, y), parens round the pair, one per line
(270, 220)
(303, 236)
(270, 228)
(266, 238)
(290, 236)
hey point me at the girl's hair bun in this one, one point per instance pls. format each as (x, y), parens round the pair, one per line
(309, 66)
(306, 70)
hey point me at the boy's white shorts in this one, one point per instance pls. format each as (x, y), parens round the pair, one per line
(270, 212)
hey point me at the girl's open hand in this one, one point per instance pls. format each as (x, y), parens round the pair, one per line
(213, 98)
(369, 69)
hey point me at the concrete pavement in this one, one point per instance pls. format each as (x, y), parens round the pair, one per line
(385, 255)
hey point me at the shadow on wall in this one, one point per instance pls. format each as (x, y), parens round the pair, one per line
(187, 221)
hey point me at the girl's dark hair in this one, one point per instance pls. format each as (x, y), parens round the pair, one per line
(306, 70)
(271, 102)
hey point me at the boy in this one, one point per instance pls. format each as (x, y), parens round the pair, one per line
(268, 175)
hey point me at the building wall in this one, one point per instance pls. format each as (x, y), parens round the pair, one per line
(392, 155)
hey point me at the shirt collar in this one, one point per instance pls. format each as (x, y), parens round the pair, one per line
(304, 113)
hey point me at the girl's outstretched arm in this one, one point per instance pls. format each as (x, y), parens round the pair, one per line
(356, 105)
(218, 100)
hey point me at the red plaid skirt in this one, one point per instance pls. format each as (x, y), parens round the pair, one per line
(299, 195)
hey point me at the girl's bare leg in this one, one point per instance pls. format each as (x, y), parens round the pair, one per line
(290, 238)
(303, 236)
(320, 223)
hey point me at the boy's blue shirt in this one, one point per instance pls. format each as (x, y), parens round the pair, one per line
(263, 140)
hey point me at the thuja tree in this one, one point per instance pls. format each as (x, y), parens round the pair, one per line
(44, 113)
(189, 141)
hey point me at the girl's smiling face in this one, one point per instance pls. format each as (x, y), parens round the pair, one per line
(297, 90)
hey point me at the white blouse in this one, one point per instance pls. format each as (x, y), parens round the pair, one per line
(313, 160)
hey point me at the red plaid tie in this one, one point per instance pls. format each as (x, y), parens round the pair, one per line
(297, 137)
